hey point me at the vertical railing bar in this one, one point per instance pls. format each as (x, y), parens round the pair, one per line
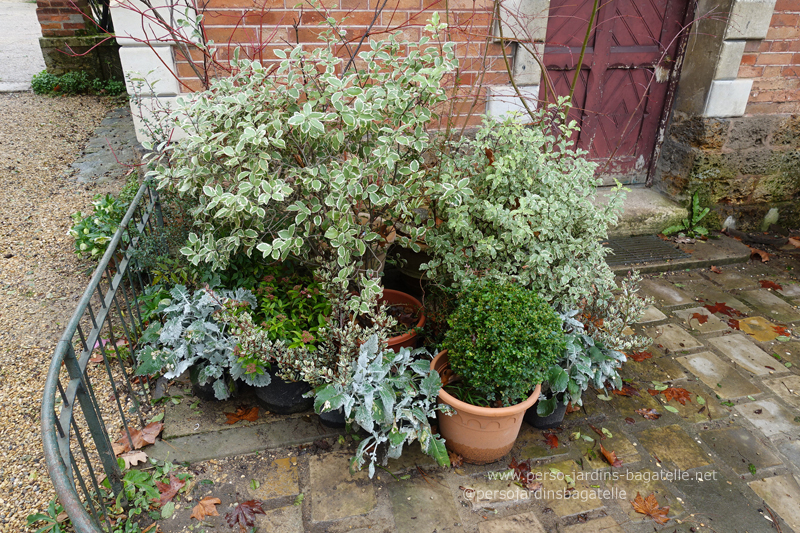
(94, 319)
(122, 366)
(63, 395)
(116, 393)
(81, 335)
(82, 483)
(91, 471)
(135, 301)
(58, 425)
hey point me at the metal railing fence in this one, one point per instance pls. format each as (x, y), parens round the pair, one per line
(76, 411)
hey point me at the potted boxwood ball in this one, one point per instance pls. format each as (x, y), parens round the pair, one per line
(502, 339)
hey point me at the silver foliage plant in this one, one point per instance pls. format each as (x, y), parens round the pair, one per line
(524, 211)
(191, 335)
(391, 396)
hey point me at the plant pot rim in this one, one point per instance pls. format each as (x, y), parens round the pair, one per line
(497, 412)
(408, 299)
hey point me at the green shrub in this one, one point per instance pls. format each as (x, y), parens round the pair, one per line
(525, 212)
(93, 232)
(502, 339)
(76, 82)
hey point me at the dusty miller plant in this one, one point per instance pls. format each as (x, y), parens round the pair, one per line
(523, 211)
(302, 161)
(391, 396)
(191, 336)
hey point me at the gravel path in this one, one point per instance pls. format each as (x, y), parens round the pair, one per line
(41, 279)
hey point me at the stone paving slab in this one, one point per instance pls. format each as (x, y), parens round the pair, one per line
(665, 293)
(744, 353)
(701, 320)
(672, 337)
(782, 494)
(786, 388)
(523, 523)
(770, 417)
(713, 294)
(739, 449)
(424, 505)
(771, 306)
(720, 377)
(673, 447)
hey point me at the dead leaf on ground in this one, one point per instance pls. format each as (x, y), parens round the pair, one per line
(455, 459)
(794, 241)
(758, 254)
(572, 408)
(649, 506)
(244, 515)
(599, 432)
(205, 507)
(649, 414)
(767, 284)
(678, 394)
(133, 458)
(715, 269)
(243, 413)
(782, 330)
(140, 438)
(611, 457)
(640, 356)
(626, 390)
(700, 317)
(629, 420)
(733, 323)
(168, 491)
(723, 309)
(551, 439)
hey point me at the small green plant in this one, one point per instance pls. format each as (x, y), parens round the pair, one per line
(690, 226)
(391, 396)
(76, 82)
(191, 336)
(502, 339)
(55, 521)
(93, 232)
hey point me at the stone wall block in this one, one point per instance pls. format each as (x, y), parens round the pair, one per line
(730, 57)
(727, 98)
(760, 161)
(749, 19)
(700, 132)
(787, 132)
(750, 132)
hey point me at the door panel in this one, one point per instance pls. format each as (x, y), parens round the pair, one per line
(619, 100)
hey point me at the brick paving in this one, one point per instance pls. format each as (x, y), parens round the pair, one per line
(727, 461)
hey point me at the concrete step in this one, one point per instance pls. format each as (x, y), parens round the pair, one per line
(645, 211)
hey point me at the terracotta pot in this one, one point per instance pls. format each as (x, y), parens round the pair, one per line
(479, 434)
(406, 340)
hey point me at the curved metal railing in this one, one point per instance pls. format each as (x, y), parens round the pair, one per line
(75, 421)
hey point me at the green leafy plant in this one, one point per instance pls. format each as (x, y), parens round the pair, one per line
(192, 336)
(301, 161)
(516, 204)
(75, 82)
(55, 520)
(93, 232)
(391, 396)
(690, 226)
(502, 339)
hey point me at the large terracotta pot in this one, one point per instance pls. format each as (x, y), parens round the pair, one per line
(406, 340)
(479, 434)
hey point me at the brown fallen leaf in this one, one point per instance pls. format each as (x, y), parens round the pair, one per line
(611, 457)
(139, 438)
(243, 413)
(133, 458)
(733, 323)
(794, 241)
(678, 394)
(782, 330)
(599, 432)
(640, 356)
(205, 507)
(758, 254)
(767, 284)
(244, 515)
(715, 269)
(572, 408)
(489, 156)
(551, 439)
(455, 459)
(700, 317)
(629, 420)
(649, 506)
(168, 491)
(626, 390)
(649, 414)
(723, 309)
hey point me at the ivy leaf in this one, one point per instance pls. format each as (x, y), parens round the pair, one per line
(205, 507)
(649, 506)
(244, 515)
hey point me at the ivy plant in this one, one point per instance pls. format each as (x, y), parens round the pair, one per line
(391, 396)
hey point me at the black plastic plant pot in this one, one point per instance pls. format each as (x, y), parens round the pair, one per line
(284, 397)
(550, 421)
(206, 391)
(333, 419)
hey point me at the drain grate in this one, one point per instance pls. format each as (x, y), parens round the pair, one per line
(641, 249)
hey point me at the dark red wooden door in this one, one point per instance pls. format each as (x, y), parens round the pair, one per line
(621, 93)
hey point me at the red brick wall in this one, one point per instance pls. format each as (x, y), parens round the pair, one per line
(260, 29)
(774, 64)
(61, 18)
